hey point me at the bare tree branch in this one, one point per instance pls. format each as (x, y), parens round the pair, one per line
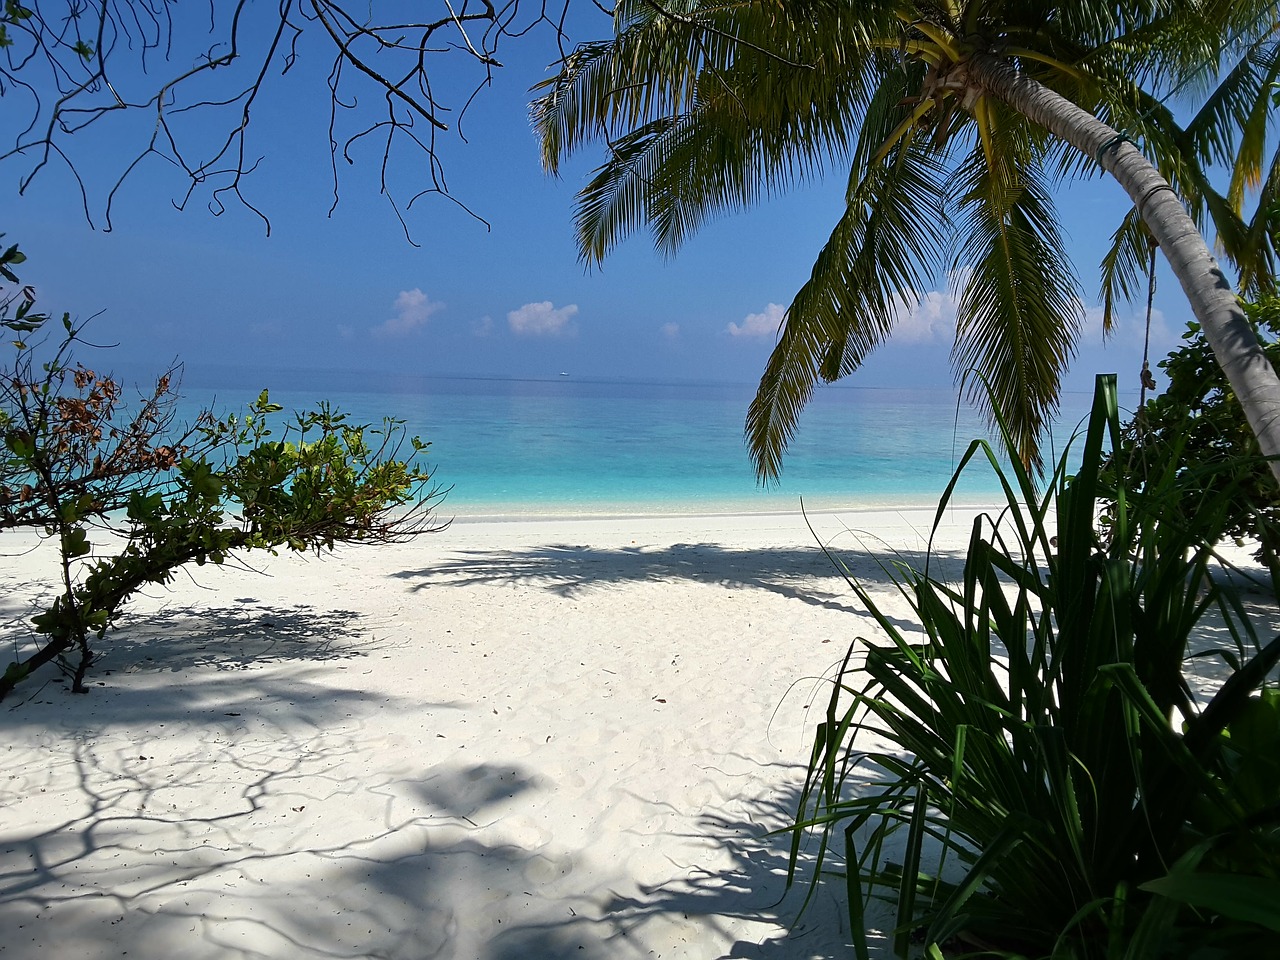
(67, 66)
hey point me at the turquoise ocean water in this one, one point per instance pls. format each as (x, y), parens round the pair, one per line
(579, 447)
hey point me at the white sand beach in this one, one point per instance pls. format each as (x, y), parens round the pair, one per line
(525, 739)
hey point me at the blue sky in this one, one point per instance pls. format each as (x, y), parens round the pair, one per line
(348, 292)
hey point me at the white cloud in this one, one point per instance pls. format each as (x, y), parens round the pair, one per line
(542, 319)
(764, 324)
(482, 327)
(930, 320)
(670, 330)
(413, 309)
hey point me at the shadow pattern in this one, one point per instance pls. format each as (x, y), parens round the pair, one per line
(570, 570)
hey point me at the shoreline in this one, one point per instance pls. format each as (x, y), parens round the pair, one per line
(572, 511)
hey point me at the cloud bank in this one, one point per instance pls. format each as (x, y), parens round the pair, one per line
(930, 320)
(542, 319)
(764, 324)
(413, 309)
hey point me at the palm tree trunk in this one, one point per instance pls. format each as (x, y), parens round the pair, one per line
(1234, 344)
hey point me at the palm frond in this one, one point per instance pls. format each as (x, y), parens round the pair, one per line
(889, 103)
(1256, 255)
(664, 58)
(707, 106)
(1124, 266)
(1019, 311)
(674, 173)
(723, 133)
(878, 260)
(562, 119)
(1170, 44)
(753, 132)
(1246, 172)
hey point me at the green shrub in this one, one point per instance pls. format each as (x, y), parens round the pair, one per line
(129, 497)
(1050, 780)
(1197, 427)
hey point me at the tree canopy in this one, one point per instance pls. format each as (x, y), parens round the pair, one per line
(707, 108)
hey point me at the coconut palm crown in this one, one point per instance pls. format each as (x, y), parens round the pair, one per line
(706, 107)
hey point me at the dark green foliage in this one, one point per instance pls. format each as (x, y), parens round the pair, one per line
(1197, 427)
(129, 499)
(1050, 787)
(12, 13)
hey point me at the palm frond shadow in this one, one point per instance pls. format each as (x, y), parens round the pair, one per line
(811, 920)
(1212, 648)
(571, 570)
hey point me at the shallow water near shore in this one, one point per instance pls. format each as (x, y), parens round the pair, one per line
(567, 446)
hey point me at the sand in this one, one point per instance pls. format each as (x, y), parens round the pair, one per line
(524, 739)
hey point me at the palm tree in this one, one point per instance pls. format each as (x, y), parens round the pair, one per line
(952, 118)
(1230, 130)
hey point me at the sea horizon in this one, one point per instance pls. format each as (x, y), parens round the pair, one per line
(570, 446)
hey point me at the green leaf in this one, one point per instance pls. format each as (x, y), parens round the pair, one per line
(1252, 899)
(20, 444)
(263, 404)
(1033, 702)
(75, 543)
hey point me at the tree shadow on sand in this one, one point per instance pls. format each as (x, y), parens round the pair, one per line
(173, 640)
(271, 844)
(801, 921)
(129, 871)
(1213, 648)
(805, 574)
(266, 835)
(236, 636)
(242, 813)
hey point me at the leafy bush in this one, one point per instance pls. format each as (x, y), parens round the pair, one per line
(1197, 427)
(1051, 788)
(129, 498)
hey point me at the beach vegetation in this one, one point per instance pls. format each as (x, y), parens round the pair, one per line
(953, 120)
(1025, 770)
(1196, 424)
(128, 495)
